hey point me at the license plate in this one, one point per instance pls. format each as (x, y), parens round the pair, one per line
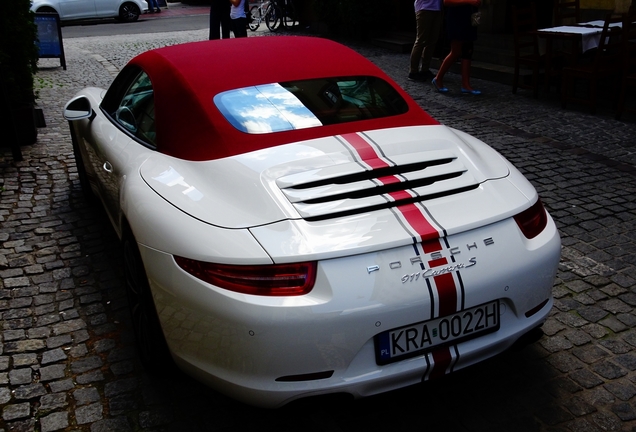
(416, 339)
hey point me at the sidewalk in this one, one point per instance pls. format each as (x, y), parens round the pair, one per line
(67, 361)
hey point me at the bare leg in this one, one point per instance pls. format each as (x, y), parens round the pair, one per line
(466, 74)
(451, 58)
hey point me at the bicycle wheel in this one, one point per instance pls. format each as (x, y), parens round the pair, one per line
(272, 18)
(255, 23)
(289, 20)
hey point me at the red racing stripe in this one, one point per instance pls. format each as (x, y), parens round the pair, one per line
(447, 291)
(365, 151)
(418, 222)
(388, 180)
(400, 195)
(442, 358)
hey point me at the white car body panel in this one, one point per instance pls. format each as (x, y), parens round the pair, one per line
(242, 350)
(194, 186)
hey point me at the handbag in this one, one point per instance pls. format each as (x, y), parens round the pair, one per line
(475, 19)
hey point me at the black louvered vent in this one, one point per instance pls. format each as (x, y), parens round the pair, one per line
(352, 190)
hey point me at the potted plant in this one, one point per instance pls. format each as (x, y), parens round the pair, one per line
(18, 64)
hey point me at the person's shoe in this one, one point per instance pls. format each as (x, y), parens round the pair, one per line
(158, 10)
(472, 92)
(439, 89)
(151, 11)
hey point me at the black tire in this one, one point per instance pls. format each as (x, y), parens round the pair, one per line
(255, 23)
(272, 18)
(151, 343)
(85, 184)
(129, 12)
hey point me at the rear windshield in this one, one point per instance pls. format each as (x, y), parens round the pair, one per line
(309, 103)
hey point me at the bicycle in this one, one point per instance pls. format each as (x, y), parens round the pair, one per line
(281, 12)
(258, 13)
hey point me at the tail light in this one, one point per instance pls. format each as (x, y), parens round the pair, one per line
(264, 280)
(533, 220)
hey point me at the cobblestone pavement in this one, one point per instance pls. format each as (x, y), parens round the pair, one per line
(66, 356)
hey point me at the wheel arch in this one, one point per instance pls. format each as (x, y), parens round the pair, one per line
(47, 9)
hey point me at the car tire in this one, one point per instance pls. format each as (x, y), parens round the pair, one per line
(129, 12)
(85, 184)
(151, 344)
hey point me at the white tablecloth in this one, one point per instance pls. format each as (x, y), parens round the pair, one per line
(590, 36)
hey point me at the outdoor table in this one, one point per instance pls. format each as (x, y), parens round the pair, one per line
(581, 38)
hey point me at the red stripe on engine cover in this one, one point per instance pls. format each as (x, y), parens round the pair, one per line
(429, 237)
(400, 195)
(366, 152)
(418, 222)
(412, 214)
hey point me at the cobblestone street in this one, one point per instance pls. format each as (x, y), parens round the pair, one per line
(67, 361)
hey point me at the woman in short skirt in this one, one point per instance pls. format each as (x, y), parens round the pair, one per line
(462, 34)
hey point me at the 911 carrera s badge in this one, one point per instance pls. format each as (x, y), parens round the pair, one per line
(438, 271)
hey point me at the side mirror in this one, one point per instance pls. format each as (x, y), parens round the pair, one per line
(79, 108)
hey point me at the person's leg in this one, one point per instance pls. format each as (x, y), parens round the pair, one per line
(239, 27)
(418, 45)
(467, 56)
(215, 21)
(226, 21)
(431, 35)
(451, 58)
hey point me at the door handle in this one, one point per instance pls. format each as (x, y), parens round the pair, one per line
(108, 167)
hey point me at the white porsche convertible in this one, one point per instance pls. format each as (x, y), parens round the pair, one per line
(306, 228)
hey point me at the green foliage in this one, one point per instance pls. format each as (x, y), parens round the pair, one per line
(18, 51)
(353, 18)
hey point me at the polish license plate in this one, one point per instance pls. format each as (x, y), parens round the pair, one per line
(416, 339)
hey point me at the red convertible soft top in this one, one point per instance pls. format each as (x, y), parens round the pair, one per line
(187, 77)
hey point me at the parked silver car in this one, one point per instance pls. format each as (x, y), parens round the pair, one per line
(123, 10)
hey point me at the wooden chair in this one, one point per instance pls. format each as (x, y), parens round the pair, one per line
(606, 63)
(628, 82)
(524, 23)
(566, 12)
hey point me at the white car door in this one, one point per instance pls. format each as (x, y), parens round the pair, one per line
(74, 9)
(107, 8)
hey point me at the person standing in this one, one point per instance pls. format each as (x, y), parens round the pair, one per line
(462, 33)
(152, 5)
(428, 21)
(238, 17)
(220, 19)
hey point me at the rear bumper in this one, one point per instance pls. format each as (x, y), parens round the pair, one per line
(269, 351)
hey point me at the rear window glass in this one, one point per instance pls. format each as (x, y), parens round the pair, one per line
(303, 104)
